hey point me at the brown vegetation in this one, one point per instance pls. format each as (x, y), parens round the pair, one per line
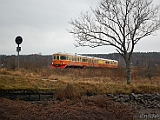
(74, 86)
(98, 108)
(84, 81)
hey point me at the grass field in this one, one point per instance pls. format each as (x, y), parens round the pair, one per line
(79, 81)
(70, 85)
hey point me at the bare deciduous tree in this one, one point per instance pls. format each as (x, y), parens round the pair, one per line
(119, 23)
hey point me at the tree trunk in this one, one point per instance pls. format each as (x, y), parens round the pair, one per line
(128, 72)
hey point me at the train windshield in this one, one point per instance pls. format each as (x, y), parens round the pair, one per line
(55, 57)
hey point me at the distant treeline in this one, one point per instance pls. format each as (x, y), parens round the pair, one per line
(25, 61)
(39, 61)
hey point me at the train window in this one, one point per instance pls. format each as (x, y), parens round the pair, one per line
(54, 58)
(69, 58)
(58, 58)
(84, 60)
(108, 62)
(63, 57)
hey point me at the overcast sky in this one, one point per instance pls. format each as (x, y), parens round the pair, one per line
(43, 26)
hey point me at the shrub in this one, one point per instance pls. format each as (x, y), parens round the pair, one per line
(69, 92)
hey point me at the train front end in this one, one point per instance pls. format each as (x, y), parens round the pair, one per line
(59, 61)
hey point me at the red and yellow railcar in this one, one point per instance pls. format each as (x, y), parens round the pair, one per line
(63, 60)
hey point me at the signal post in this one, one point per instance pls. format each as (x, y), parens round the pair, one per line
(18, 40)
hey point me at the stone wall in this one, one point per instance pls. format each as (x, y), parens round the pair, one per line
(137, 100)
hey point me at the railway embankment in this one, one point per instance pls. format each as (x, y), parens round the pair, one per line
(27, 95)
(140, 101)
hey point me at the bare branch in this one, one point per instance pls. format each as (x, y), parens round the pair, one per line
(119, 23)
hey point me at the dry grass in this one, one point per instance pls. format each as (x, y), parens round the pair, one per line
(75, 89)
(85, 81)
(97, 108)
